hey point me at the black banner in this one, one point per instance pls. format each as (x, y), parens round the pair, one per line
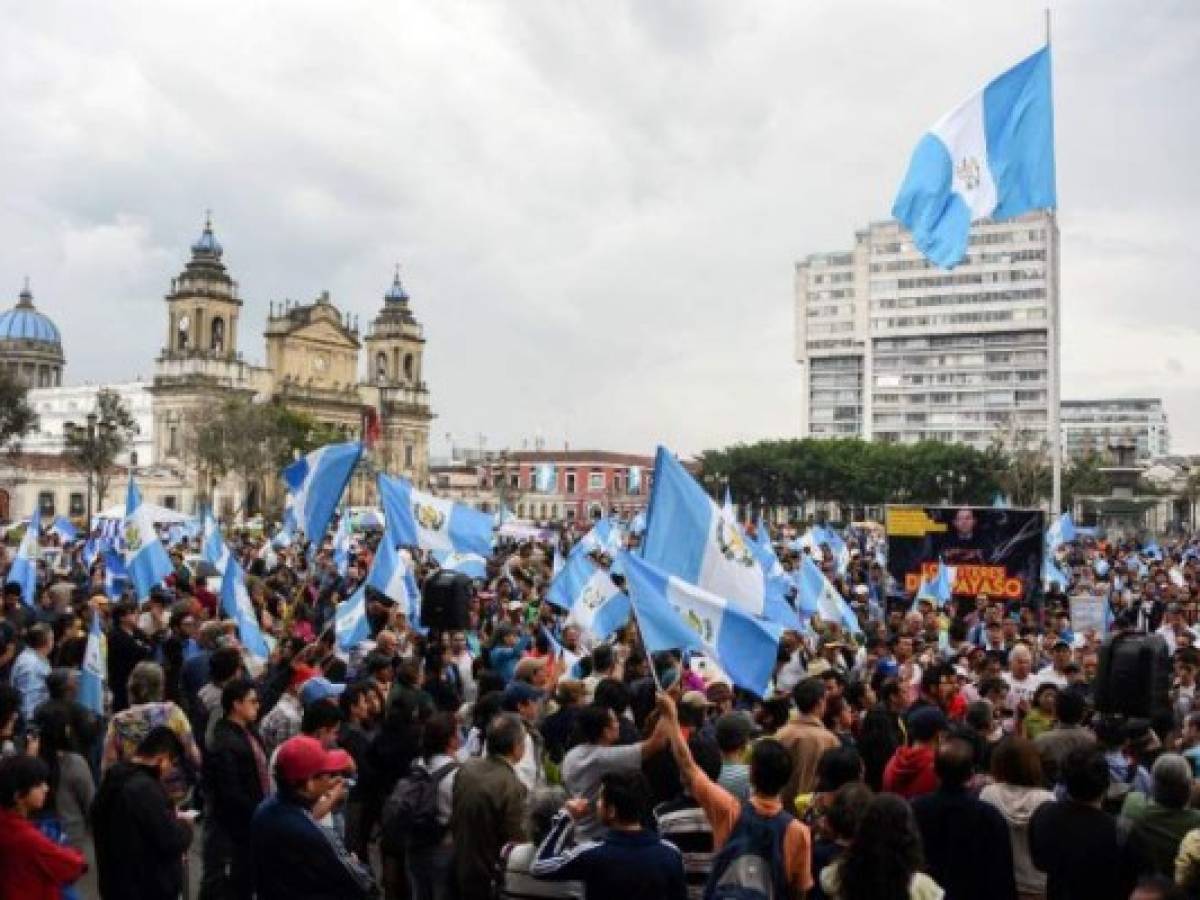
(997, 552)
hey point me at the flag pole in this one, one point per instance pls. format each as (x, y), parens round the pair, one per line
(1055, 393)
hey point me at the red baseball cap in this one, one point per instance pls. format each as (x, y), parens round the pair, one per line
(302, 757)
(302, 673)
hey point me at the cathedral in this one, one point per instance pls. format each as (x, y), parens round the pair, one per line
(312, 365)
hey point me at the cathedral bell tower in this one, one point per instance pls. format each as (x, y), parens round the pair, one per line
(395, 350)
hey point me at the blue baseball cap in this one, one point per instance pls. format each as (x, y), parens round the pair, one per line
(320, 688)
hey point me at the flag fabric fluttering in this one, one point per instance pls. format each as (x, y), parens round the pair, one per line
(116, 574)
(689, 536)
(23, 570)
(673, 614)
(213, 549)
(727, 508)
(341, 545)
(236, 604)
(991, 157)
(940, 590)
(315, 484)
(605, 536)
(470, 564)
(587, 592)
(817, 596)
(91, 673)
(350, 623)
(146, 559)
(417, 519)
(1061, 531)
(64, 529)
(1052, 574)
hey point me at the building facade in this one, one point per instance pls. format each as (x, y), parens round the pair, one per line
(568, 485)
(1090, 426)
(57, 406)
(895, 349)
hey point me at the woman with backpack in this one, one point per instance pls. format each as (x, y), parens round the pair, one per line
(883, 861)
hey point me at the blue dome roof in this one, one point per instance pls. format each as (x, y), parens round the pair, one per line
(396, 292)
(24, 323)
(208, 242)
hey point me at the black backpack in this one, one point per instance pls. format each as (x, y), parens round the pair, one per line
(410, 813)
(750, 865)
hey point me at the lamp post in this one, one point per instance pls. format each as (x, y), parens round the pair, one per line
(949, 481)
(91, 440)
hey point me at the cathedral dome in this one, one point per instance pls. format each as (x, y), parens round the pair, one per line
(207, 244)
(396, 293)
(24, 323)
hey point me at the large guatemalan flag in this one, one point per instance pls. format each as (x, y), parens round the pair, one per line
(148, 562)
(417, 519)
(213, 550)
(91, 673)
(675, 615)
(587, 592)
(315, 484)
(993, 157)
(688, 535)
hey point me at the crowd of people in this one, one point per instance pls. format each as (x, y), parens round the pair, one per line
(950, 750)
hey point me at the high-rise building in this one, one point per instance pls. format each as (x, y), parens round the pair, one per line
(1089, 426)
(895, 349)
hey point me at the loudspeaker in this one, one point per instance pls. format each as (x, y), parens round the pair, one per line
(445, 601)
(1134, 677)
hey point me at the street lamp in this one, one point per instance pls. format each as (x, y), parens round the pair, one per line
(91, 439)
(948, 481)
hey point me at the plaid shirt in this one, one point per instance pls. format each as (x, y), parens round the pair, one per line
(281, 723)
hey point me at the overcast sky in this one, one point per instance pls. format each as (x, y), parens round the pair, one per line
(597, 204)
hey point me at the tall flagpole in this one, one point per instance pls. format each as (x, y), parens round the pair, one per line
(1055, 336)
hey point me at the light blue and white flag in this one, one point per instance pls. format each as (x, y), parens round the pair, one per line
(817, 596)
(1153, 551)
(341, 545)
(687, 535)
(1061, 531)
(315, 484)
(64, 529)
(417, 519)
(116, 574)
(587, 592)
(727, 507)
(940, 590)
(24, 568)
(1101, 567)
(236, 604)
(91, 673)
(604, 537)
(991, 157)
(1053, 575)
(545, 478)
(91, 549)
(828, 537)
(558, 564)
(389, 574)
(637, 525)
(350, 623)
(213, 549)
(470, 564)
(146, 557)
(674, 614)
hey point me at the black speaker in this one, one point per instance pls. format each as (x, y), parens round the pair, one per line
(446, 600)
(1134, 677)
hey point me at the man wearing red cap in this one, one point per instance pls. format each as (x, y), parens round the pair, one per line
(294, 857)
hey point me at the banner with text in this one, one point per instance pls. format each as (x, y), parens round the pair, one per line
(994, 552)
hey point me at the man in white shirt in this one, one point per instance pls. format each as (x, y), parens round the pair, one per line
(1173, 628)
(1060, 655)
(1021, 680)
(464, 661)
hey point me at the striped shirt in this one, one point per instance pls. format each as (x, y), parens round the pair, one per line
(682, 822)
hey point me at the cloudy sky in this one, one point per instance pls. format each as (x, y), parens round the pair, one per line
(597, 204)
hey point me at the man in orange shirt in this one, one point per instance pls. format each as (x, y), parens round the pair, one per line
(770, 770)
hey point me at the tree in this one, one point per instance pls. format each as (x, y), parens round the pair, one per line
(251, 440)
(96, 453)
(17, 417)
(1020, 465)
(1083, 478)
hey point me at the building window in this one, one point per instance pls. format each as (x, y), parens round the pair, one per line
(132, 457)
(570, 514)
(75, 507)
(408, 367)
(173, 441)
(514, 481)
(381, 372)
(218, 335)
(169, 501)
(596, 481)
(571, 484)
(46, 504)
(408, 456)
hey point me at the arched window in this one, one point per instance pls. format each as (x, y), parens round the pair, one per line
(381, 367)
(218, 335)
(408, 367)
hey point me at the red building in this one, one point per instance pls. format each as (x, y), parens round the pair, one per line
(567, 485)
